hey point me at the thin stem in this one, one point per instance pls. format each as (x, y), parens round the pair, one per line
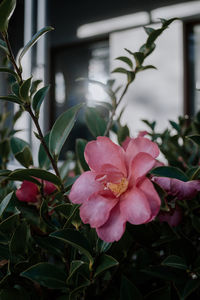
(11, 56)
(109, 125)
(53, 162)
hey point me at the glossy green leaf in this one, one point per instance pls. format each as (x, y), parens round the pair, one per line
(39, 98)
(11, 98)
(6, 10)
(120, 70)
(142, 68)
(61, 129)
(147, 50)
(46, 274)
(18, 244)
(95, 122)
(76, 239)
(195, 138)
(9, 71)
(122, 133)
(171, 172)
(153, 36)
(138, 56)
(24, 90)
(74, 267)
(43, 159)
(51, 245)
(8, 225)
(22, 174)
(80, 148)
(126, 60)
(15, 89)
(4, 203)
(105, 262)
(148, 30)
(103, 246)
(21, 151)
(175, 261)
(3, 46)
(129, 291)
(33, 41)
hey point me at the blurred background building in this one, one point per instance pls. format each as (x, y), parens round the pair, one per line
(88, 36)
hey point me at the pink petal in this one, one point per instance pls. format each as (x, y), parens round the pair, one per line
(49, 187)
(173, 217)
(142, 133)
(140, 166)
(152, 197)
(84, 187)
(96, 210)
(178, 188)
(134, 207)
(28, 192)
(103, 152)
(114, 228)
(126, 142)
(141, 144)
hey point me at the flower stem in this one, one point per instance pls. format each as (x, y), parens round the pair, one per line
(110, 122)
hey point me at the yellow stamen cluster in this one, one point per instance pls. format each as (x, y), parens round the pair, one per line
(118, 188)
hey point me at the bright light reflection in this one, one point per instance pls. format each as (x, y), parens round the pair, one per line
(178, 10)
(113, 24)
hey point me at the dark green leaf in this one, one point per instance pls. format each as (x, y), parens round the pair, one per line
(195, 138)
(126, 60)
(33, 41)
(21, 151)
(22, 174)
(122, 133)
(24, 90)
(9, 71)
(94, 121)
(76, 239)
(175, 125)
(43, 159)
(62, 128)
(18, 244)
(171, 172)
(11, 98)
(105, 262)
(6, 10)
(186, 288)
(38, 98)
(163, 293)
(129, 291)
(142, 68)
(3, 46)
(74, 267)
(120, 70)
(80, 148)
(50, 244)
(8, 225)
(103, 246)
(130, 76)
(175, 262)
(47, 275)
(147, 50)
(4, 203)
(148, 30)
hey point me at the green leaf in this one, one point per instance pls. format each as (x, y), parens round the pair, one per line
(185, 289)
(4, 203)
(195, 138)
(122, 133)
(94, 121)
(38, 98)
(142, 68)
(120, 70)
(76, 239)
(11, 72)
(103, 246)
(50, 244)
(126, 60)
(22, 174)
(24, 90)
(46, 274)
(18, 243)
(171, 172)
(129, 291)
(147, 50)
(6, 10)
(153, 36)
(43, 159)
(61, 129)
(8, 225)
(175, 261)
(105, 262)
(33, 41)
(163, 293)
(11, 98)
(175, 125)
(74, 267)
(148, 30)
(80, 148)
(130, 76)
(21, 151)
(3, 46)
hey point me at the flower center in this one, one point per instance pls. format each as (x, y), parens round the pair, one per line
(118, 188)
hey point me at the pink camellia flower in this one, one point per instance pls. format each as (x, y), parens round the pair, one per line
(29, 191)
(116, 190)
(177, 188)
